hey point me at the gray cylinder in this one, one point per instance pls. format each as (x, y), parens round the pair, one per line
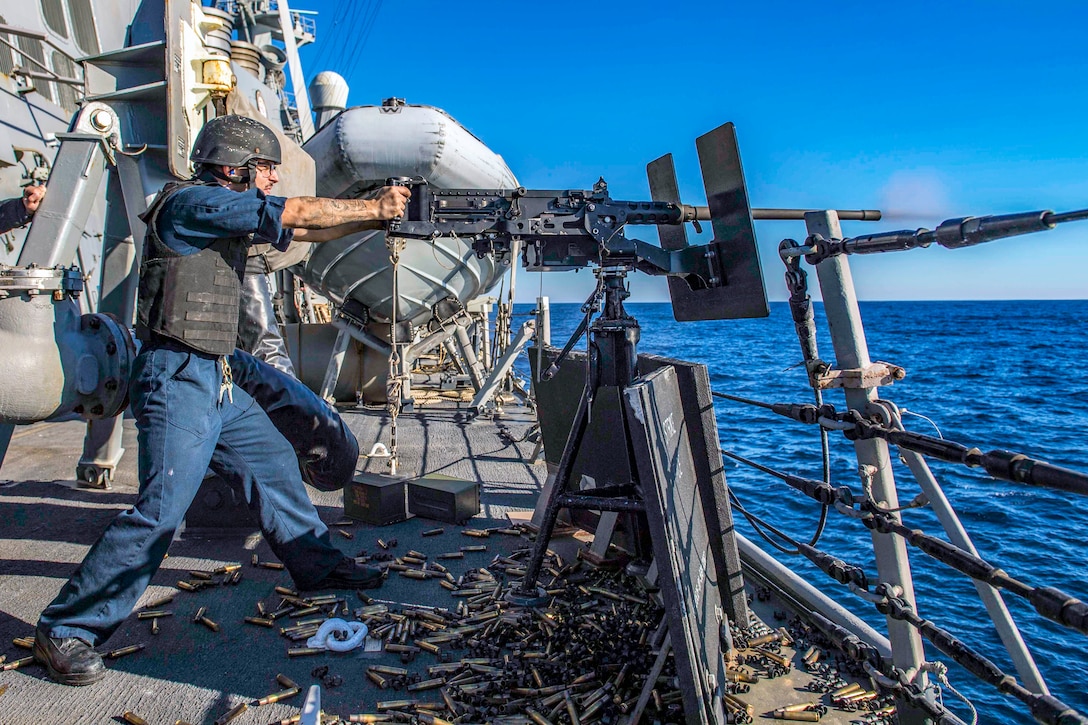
(217, 31)
(360, 149)
(328, 95)
(55, 361)
(247, 56)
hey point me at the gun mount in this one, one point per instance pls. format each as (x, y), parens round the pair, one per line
(564, 230)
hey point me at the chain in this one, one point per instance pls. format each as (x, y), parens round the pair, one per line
(396, 382)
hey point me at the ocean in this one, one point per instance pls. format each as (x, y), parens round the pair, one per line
(991, 375)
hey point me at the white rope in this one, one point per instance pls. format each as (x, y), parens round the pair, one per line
(337, 635)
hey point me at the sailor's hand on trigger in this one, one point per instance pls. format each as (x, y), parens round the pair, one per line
(392, 201)
(32, 197)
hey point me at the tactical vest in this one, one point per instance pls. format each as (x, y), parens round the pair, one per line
(192, 299)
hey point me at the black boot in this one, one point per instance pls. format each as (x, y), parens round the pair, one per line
(70, 661)
(349, 575)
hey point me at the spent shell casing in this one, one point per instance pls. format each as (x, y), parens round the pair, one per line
(304, 651)
(213, 626)
(797, 715)
(160, 602)
(186, 586)
(16, 664)
(154, 614)
(428, 646)
(259, 621)
(383, 544)
(286, 681)
(395, 704)
(304, 611)
(474, 547)
(132, 648)
(154, 626)
(377, 679)
(476, 533)
(285, 591)
(235, 576)
(254, 560)
(201, 575)
(133, 719)
(234, 712)
(23, 642)
(416, 554)
(199, 613)
(427, 685)
(433, 532)
(3, 689)
(536, 717)
(277, 696)
(270, 565)
(413, 574)
(345, 534)
(227, 568)
(452, 555)
(401, 648)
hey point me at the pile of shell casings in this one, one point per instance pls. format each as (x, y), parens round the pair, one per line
(583, 657)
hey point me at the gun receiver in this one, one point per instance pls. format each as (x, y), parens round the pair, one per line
(560, 230)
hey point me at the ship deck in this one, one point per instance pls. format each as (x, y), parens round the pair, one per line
(189, 673)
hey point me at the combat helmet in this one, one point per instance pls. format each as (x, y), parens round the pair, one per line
(237, 141)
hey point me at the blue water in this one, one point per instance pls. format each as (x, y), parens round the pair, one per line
(988, 374)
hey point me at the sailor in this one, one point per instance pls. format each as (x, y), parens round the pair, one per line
(189, 415)
(19, 211)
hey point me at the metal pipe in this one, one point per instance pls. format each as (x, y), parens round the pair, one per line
(852, 352)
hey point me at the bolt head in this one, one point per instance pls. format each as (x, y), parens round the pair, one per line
(102, 120)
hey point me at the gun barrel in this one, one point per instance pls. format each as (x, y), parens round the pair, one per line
(702, 214)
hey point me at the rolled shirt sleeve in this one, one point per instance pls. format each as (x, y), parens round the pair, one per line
(196, 216)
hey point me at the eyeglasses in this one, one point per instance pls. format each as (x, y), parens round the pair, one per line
(266, 167)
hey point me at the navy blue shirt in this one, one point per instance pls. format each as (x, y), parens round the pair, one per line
(13, 214)
(194, 217)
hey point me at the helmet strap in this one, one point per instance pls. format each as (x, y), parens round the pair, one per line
(236, 179)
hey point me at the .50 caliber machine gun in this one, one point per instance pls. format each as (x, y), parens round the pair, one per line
(564, 230)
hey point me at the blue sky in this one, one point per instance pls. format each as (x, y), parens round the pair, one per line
(924, 110)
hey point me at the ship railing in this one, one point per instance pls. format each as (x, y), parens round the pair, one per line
(41, 71)
(874, 424)
(302, 23)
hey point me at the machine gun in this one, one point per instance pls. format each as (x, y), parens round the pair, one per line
(564, 230)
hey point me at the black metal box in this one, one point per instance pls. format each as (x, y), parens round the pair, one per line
(376, 499)
(443, 498)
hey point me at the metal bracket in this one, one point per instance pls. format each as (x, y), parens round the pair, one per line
(873, 375)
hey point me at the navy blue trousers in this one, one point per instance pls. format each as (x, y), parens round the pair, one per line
(184, 428)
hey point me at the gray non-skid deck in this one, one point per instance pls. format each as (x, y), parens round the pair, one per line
(188, 672)
(191, 674)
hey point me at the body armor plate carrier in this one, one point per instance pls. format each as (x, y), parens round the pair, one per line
(192, 299)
